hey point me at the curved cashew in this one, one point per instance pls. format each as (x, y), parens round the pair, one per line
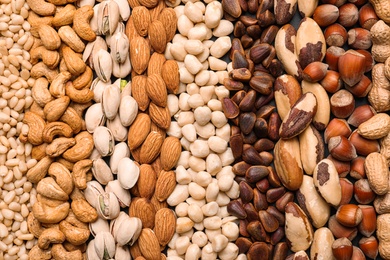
(74, 234)
(79, 96)
(59, 145)
(49, 201)
(57, 86)
(80, 107)
(49, 188)
(62, 176)
(38, 254)
(73, 61)
(41, 70)
(70, 37)
(81, 23)
(36, 20)
(49, 236)
(71, 118)
(54, 109)
(65, 16)
(84, 211)
(49, 57)
(70, 247)
(48, 214)
(84, 80)
(38, 172)
(49, 37)
(40, 92)
(82, 149)
(68, 165)
(39, 152)
(80, 170)
(59, 253)
(34, 226)
(54, 129)
(41, 7)
(36, 125)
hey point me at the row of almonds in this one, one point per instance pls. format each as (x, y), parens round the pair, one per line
(87, 173)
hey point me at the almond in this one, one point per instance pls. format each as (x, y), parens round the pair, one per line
(160, 116)
(156, 63)
(150, 149)
(156, 90)
(148, 3)
(139, 54)
(154, 12)
(130, 30)
(146, 181)
(141, 20)
(157, 39)
(164, 225)
(143, 209)
(138, 131)
(169, 20)
(170, 75)
(149, 245)
(138, 91)
(133, 3)
(165, 184)
(158, 204)
(170, 153)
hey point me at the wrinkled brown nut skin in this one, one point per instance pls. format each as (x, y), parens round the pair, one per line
(36, 125)
(80, 170)
(59, 253)
(81, 23)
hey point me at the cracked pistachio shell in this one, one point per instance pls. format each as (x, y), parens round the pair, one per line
(94, 20)
(113, 223)
(119, 47)
(128, 230)
(105, 245)
(124, 9)
(91, 252)
(104, 140)
(122, 253)
(101, 171)
(121, 151)
(100, 225)
(121, 70)
(123, 195)
(94, 117)
(95, 154)
(91, 50)
(121, 28)
(128, 110)
(102, 63)
(108, 205)
(110, 101)
(125, 89)
(93, 190)
(128, 173)
(117, 129)
(108, 17)
(97, 87)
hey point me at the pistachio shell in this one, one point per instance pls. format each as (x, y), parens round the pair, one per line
(104, 140)
(119, 46)
(128, 110)
(93, 190)
(121, 70)
(122, 253)
(101, 171)
(91, 50)
(128, 231)
(117, 129)
(100, 225)
(121, 150)
(94, 117)
(102, 63)
(97, 87)
(110, 101)
(105, 245)
(107, 205)
(108, 17)
(91, 252)
(128, 173)
(122, 194)
(124, 10)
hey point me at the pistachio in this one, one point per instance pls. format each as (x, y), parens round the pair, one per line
(104, 140)
(107, 205)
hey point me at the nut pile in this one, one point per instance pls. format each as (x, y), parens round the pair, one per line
(16, 192)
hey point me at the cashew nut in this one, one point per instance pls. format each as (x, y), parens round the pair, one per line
(70, 37)
(38, 254)
(59, 253)
(41, 7)
(81, 23)
(84, 80)
(50, 189)
(82, 149)
(64, 16)
(49, 236)
(73, 61)
(79, 96)
(48, 57)
(54, 109)
(59, 145)
(48, 214)
(57, 86)
(72, 118)
(40, 92)
(38, 172)
(84, 211)
(80, 170)
(34, 226)
(54, 129)
(36, 125)
(35, 21)
(74, 234)
(41, 70)
(62, 176)
(49, 37)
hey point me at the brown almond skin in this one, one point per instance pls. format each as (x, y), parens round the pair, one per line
(299, 117)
